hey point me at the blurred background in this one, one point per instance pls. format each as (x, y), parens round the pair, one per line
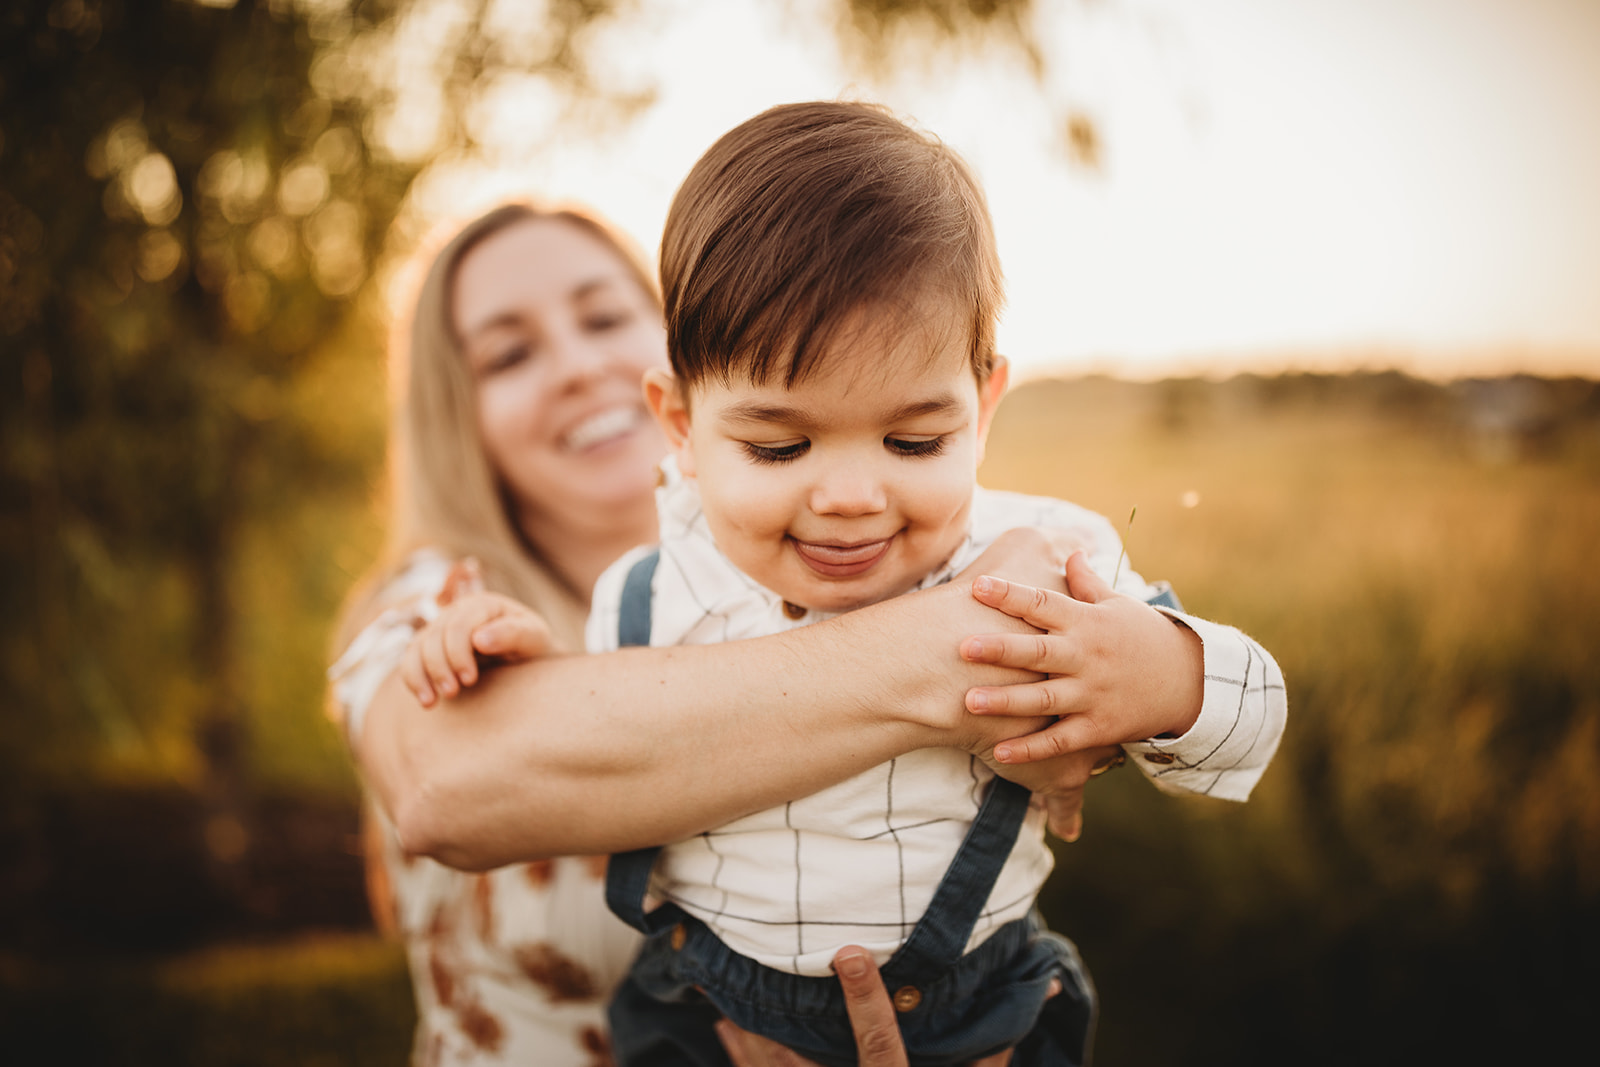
(1313, 286)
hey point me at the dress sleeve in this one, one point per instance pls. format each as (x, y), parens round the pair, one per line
(411, 601)
(1241, 719)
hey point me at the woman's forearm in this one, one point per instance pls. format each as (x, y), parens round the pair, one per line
(595, 754)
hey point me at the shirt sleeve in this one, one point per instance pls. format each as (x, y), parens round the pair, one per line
(1242, 716)
(412, 599)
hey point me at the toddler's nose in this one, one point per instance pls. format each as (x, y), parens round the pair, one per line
(848, 490)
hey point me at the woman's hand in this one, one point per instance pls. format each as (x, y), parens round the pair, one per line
(472, 629)
(872, 1016)
(1030, 555)
(1116, 669)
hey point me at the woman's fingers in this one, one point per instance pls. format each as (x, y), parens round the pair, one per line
(752, 1050)
(878, 1042)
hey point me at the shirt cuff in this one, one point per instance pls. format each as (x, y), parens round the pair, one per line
(1188, 763)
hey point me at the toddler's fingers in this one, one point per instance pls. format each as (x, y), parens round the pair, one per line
(415, 677)
(457, 643)
(513, 639)
(1064, 815)
(434, 661)
(1042, 653)
(1037, 607)
(1052, 696)
(1073, 733)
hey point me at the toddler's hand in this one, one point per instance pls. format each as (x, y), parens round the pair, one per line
(1117, 670)
(1059, 781)
(472, 631)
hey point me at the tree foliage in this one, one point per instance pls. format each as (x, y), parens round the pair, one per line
(186, 220)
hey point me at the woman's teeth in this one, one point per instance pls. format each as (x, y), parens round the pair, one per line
(602, 427)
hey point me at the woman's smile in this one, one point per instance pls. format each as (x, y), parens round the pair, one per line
(603, 427)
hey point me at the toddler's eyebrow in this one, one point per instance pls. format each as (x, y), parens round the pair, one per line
(793, 415)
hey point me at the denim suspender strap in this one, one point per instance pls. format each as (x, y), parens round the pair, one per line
(940, 937)
(628, 873)
(633, 614)
(1164, 597)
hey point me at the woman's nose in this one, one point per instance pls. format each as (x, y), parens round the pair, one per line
(575, 359)
(849, 489)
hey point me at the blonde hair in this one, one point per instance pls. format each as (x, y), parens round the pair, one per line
(443, 492)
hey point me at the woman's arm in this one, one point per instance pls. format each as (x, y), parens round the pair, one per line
(574, 754)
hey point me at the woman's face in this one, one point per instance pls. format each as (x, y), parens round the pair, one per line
(557, 334)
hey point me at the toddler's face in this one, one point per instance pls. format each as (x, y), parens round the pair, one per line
(850, 487)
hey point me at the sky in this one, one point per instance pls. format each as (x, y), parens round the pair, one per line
(1318, 184)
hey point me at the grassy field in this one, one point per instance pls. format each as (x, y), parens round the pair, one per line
(1416, 880)
(1419, 872)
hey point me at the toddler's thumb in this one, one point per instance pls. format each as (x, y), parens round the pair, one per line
(1083, 583)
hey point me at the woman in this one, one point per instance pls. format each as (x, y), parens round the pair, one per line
(521, 442)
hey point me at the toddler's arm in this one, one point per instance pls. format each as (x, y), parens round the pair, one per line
(1200, 705)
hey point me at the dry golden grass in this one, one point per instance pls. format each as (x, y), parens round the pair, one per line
(1428, 588)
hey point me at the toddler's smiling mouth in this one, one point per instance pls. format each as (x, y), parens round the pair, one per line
(841, 560)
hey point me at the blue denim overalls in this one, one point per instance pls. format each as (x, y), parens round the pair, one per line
(953, 1008)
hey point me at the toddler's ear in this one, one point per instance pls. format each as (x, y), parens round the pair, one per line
(664, 396)
(989, 395)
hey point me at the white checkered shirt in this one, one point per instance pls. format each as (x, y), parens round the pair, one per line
(858, 863)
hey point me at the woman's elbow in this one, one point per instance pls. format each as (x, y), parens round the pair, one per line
(428, 825)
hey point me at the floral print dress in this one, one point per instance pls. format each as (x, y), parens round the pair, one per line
(513, 965)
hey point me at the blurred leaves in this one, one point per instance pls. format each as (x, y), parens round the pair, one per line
(185, 222)
(882, 34)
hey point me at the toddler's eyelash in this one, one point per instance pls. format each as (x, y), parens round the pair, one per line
(770, 454)
(931, 447)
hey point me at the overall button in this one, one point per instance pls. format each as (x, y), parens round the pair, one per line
(679, 936)
(906, 998)
(1159, 757)
(794, 611)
